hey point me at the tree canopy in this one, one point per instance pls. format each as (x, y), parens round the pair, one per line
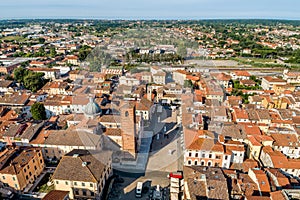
(84, 52)
(188, 84)
(38, 111)
(31, 80)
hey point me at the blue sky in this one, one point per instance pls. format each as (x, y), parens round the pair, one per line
(150, 9)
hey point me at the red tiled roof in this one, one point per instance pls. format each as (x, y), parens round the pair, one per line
(242, 73)
(249, 164)
(240, 114)
(252, 129)
(262, 180)
(273, 79)
(221, 76)
(277, 195)
(253, 141)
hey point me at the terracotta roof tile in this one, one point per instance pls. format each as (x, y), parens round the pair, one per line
(71, 166)
(56, 195)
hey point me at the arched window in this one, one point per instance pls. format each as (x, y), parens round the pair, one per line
(202, 163)
(209, 163)
(196, 162)
(126, 114)
(189, 162)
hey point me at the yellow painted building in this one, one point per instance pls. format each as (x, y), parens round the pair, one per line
(83, 173)
(20, 167)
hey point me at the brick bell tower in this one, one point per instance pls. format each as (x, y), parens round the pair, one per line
(128, 127)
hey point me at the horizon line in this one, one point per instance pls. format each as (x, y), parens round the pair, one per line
(148, 19)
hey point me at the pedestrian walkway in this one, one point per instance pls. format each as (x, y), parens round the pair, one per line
(165, 159)
(140, 164)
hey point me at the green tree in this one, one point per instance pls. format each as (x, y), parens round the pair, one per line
(188, 84)
(38, 111)
(34, 81)
(52, 52)
(41, 40)
(181, 50)
(253, 78)
(19, 74)
(41, 52)
(83, 52)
